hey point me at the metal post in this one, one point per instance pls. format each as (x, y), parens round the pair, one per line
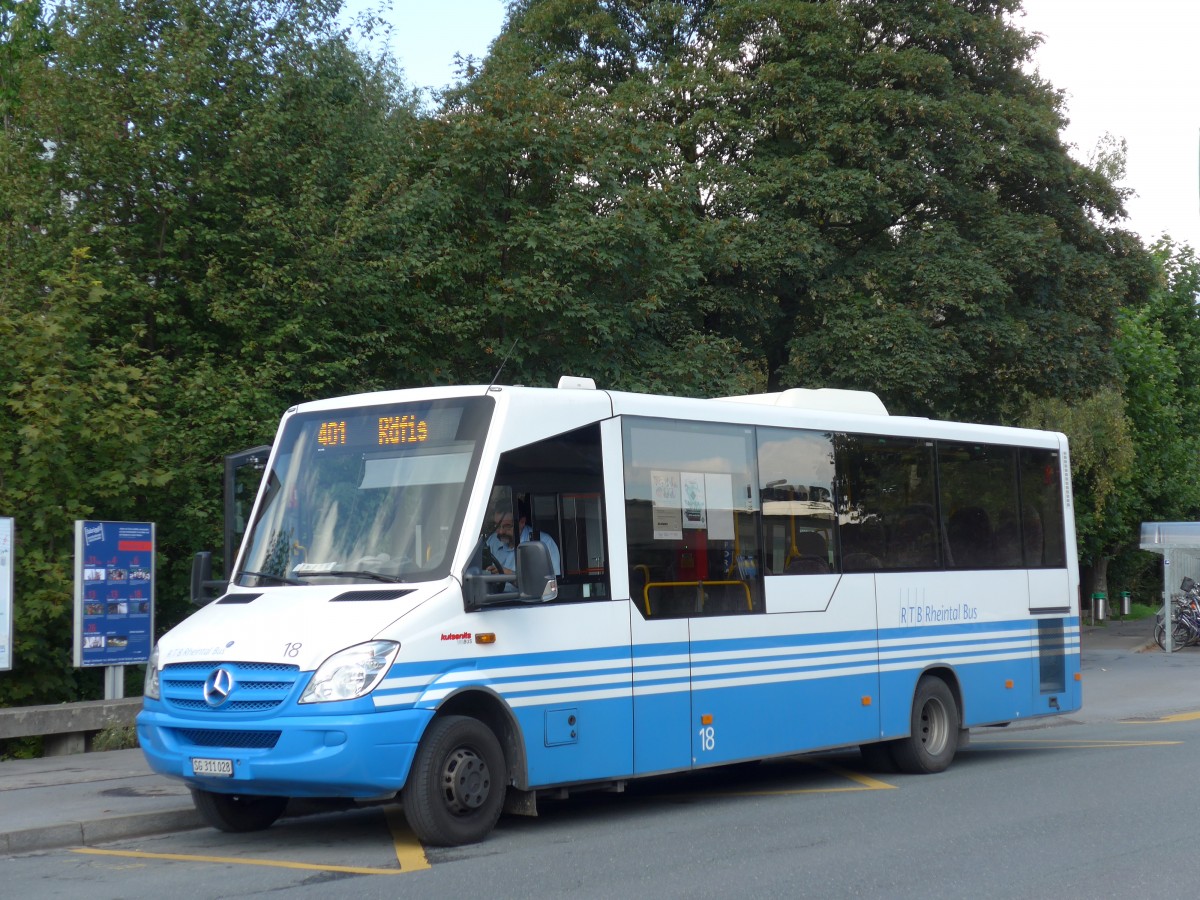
(114, 682)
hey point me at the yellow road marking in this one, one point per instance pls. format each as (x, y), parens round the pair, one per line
(409, 852)
(1178, 717)
(862, 783)
(231, 860)
(869, 783)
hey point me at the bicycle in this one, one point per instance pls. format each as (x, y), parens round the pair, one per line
(1185, 618)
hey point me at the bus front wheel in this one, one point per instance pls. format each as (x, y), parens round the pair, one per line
(238, 812)
(455, 789)
(933, 738)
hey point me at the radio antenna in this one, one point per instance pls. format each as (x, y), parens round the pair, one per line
(503, 362)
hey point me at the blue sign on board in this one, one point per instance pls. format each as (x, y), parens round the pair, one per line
(114, 591)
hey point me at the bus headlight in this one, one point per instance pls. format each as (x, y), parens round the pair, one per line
(351, 672)
(150, 685)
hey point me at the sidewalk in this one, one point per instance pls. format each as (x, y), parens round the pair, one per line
(93, 798)
(1115, 634)
(87, 798)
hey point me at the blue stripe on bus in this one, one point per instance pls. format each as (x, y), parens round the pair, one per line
(794, 657)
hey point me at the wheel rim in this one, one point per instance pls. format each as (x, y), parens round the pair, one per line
(466, 781)
(935, 726)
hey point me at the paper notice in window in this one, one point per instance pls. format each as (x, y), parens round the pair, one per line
(665, 493)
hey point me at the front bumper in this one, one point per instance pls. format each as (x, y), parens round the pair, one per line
(356, 756)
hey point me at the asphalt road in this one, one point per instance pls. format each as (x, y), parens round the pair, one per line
(1088, 809)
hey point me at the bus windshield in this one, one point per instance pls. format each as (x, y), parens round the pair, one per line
(373, 493)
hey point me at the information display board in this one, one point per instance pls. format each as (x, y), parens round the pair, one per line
(6, 594)
(114, 593)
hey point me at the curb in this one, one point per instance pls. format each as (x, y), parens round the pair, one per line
(132, 825)
(99, 831)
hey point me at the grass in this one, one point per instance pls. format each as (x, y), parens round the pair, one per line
(1141, 611)
(116, 737)
(1136, 611)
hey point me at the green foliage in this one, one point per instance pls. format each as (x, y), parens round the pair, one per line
(1133, 456)
(907, 195)
(559, 215)
(1103, 459)
(197, 232)
(78, 437)
(115, 737)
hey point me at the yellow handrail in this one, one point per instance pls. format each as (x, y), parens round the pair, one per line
(699, 585)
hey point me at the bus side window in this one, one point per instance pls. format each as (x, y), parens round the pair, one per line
(692, 518)
(557, 486)
(796, 480)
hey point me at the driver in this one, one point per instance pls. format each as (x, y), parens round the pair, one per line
(503, 545)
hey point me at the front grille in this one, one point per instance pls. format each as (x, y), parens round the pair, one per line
(257, 687)
(228, 706)
(237, 740)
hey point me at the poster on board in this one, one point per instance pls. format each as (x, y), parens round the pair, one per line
(691, 486)
(666, 500)
(114, 593)
(6, 594)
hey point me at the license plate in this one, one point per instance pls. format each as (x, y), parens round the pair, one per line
(219, 767)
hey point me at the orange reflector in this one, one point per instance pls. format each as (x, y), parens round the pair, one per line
(1079, 676)
(1008, 683)
(866, 701)
(706, 719)
(487, 637)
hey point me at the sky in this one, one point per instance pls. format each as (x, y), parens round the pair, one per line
(1127, 68)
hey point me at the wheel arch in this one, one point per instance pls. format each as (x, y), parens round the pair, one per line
(488, 707)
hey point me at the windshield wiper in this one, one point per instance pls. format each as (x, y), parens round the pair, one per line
(267, 576)
(354, 573)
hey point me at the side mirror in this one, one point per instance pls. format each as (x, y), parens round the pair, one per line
(535, 572)
(203, 589)
(534, 577)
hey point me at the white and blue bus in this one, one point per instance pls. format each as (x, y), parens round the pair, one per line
(693, 583)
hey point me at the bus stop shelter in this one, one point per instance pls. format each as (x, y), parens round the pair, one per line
(1179, 545)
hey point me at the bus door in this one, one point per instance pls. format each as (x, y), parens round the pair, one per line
(661, 719)
(661, 689)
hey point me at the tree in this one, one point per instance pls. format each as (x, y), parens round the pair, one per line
(907, 194)
(870, 195)
(1159, 349)
(79, 437)
(561, 217)
(1133, 458)
(221, 179)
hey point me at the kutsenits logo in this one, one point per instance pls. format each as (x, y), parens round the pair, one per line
(461, 637)
(217, 687)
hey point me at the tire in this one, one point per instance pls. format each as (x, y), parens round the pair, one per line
(933, 740)
(1182, 635)
(238, 812)
(1160, 636)
(455, 788)
(877, 757)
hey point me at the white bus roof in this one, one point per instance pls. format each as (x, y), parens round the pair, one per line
(832, 399)
(826, 408)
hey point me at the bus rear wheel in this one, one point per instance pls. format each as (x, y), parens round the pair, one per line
(238, 812)
(933, 738)
(455, 788)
